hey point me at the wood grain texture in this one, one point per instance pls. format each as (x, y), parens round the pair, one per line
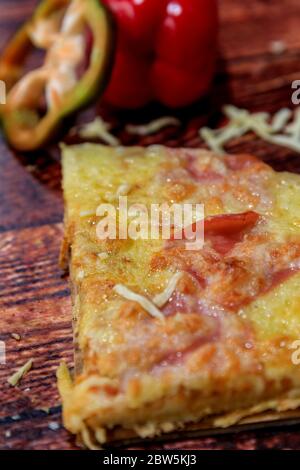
(34, 298)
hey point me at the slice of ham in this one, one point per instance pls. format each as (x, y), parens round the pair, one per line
(223, 231)
(235, 266)
(230, 224)
(242, 162)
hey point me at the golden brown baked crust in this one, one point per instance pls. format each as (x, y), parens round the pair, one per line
(224, 344)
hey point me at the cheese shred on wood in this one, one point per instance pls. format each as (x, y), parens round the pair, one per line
(153, 126)
(98, 129)
(241, 121)
(19, 374)
(140, 299)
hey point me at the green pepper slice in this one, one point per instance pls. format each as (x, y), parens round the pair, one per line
(61, 27)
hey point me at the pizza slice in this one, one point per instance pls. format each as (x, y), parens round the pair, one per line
(166, 335)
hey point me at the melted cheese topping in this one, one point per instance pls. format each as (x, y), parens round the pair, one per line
(228, 321)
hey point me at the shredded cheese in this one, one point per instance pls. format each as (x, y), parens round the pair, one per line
(255, 122)
(277, 47)
(80, 275)
(123, 189)
(86, 213)
(153, 126)
(86, 439)
(241, 121)
(16, 336)
(281, 119)
(161, 299)
(17, 376)
(291, 137)
(98, 128)
(103, 256)
(217, 139)
(145, 303)
(53, 425)
(64, 380)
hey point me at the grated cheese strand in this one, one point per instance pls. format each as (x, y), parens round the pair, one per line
(212, 141)
(153, 126)
(103, 256)
(161, 299)
(16, 336)
(98, 128)
(291, 138)
(86, 213)
(285, 141)
(145, 303)
(277, 47)
(256, 122)
(123, 189)
(17, 376)
(217, 139)
(293, 129)
(281, 119)
(242, 121)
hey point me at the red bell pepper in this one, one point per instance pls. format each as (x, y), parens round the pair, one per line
(166, 51)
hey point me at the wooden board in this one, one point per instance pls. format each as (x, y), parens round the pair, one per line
(34, 298)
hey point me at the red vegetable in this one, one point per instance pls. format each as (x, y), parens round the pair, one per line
(166, 51)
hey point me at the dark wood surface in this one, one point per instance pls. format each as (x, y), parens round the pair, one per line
(34, 298)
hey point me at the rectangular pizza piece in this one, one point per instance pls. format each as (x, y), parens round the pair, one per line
(165, 335)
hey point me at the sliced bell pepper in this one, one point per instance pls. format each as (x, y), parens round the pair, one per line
(166, 51)
(62, 29)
